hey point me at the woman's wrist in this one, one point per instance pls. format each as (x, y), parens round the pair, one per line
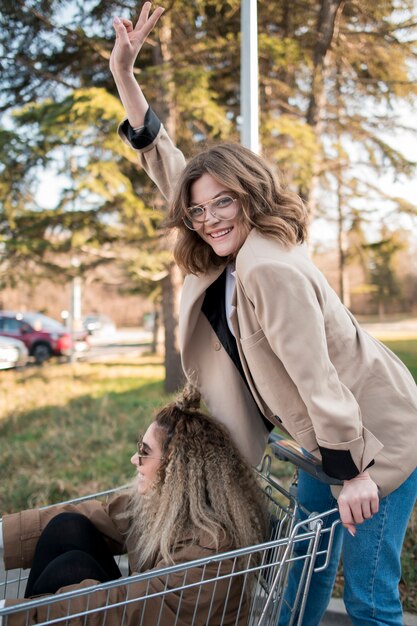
(123, 73)
(133, 100)
(361, 476)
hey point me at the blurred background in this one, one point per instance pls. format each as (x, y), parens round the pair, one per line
(80, 223)
(88, 288)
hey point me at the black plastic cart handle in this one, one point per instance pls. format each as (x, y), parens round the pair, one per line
(288, 450)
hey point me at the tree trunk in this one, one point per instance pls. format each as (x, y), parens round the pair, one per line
(381, 310)
(162, 56)
(341, 243)
(155, 329)
(341, 235)
(326, 21)
(171, 285)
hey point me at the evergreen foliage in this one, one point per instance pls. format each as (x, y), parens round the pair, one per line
(332, 75)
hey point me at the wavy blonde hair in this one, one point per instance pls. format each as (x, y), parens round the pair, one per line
(204, 486)
(266, 204)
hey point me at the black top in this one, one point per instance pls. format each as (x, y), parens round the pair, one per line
(214, 308)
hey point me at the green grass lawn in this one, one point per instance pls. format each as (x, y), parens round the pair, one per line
(69, 430)
(406, 350)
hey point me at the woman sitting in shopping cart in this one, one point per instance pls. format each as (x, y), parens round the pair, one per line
(193, 497)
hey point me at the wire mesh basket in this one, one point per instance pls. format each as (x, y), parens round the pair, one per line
(241, 587)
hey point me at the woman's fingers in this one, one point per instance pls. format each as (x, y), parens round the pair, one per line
(127, 34)
(350, 528)
(358, 501)
(130, 40)
(143, 16)
(366, 510)
(370, 506)
(345, 512)
(127, 24)
(375, 503)
(145, 23)
(120, 30)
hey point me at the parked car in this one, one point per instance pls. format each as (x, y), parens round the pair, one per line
(43, 336)
(98, 324)
(13, 353)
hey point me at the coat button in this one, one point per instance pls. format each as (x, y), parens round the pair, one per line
(217, 345)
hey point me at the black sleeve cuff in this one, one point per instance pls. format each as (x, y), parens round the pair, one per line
(339, 463)
(142, 138)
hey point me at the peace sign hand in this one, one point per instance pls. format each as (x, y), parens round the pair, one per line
(130, 40)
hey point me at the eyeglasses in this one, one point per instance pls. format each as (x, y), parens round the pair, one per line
(143, 454)
(223, 208)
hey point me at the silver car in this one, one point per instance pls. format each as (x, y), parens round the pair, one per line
(13, 353)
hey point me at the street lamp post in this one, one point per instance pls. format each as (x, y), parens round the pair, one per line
(75, 308)
(249, 107)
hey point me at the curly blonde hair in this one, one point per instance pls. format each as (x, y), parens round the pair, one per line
(266, 204)
(204, 486)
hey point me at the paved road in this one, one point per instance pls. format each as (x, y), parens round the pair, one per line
(124, 342)
(131, 340)
(401, 329)
(135, 341)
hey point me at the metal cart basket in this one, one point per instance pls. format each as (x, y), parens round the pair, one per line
(245, 587)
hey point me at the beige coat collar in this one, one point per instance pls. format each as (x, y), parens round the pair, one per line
(192, 297)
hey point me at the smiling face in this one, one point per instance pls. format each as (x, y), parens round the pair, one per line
(147, 466)
(226, 237)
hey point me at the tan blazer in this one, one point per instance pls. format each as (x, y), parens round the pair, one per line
(341, 394)
(22, 530)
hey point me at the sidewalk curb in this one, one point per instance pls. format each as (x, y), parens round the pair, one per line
(336, 615)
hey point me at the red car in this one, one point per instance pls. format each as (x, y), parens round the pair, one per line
(43, 336)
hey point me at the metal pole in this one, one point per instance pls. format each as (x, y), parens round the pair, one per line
(249, 108)
(75, 308)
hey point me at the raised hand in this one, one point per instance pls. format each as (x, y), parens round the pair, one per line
(129, 39)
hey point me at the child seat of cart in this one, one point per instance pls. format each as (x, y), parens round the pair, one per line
(172, 596)
(286, 449)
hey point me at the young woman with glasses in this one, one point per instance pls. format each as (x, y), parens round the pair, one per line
(270, 344)
(193, 496)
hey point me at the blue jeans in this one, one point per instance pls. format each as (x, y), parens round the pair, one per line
(371, 559)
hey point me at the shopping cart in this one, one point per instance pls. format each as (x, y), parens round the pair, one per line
(172, 596)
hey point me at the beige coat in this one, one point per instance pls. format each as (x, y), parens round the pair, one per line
(22, 530)
(340, 393)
